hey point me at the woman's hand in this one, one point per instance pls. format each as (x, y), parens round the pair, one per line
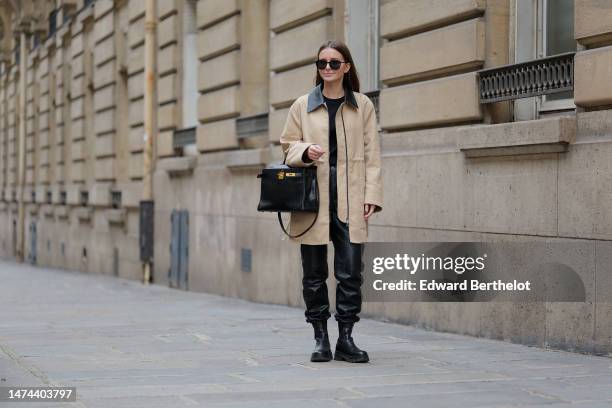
(315, 152)
(368, 209)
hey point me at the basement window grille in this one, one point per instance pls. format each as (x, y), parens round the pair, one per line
(246, 259)
(538, 77)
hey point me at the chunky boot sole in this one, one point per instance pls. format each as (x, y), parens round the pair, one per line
(340, 356)
(321, 357)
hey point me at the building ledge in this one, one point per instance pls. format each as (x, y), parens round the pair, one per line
(47, 210)
(61, 211)
(83, 213)
(518, 138)
(237, 160)
(248, 159)
(177, 166)
(116, 216)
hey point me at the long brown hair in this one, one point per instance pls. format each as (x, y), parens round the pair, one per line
(350, 79)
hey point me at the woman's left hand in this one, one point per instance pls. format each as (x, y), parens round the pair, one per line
(368, 209)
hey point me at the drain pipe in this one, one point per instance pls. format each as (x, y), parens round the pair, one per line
(146, 204)
(22, 135)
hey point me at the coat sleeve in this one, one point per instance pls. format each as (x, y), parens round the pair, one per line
(373, 182)
(292, 142)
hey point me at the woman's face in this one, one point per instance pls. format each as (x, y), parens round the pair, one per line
(328, 74)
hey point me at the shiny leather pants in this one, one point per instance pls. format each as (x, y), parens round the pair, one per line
(348, 267)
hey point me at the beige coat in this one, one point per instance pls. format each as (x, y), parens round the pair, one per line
(307, 124)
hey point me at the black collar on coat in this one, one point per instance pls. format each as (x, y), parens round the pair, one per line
(315, 97)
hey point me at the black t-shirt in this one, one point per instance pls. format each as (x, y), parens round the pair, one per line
(332, 108)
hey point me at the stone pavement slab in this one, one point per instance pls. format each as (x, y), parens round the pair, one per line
(124, 344)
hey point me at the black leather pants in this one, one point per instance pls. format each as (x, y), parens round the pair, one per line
(348, 267)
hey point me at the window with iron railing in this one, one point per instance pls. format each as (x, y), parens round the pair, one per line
(548, 76)
(183, 137)
(544, 45)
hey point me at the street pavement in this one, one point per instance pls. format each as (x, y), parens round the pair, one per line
(125, 344)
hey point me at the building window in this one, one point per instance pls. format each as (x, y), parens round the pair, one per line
(543, 28)
(555, 36)
(35, 40)
(53, 22)
(190, 65)
(362, 37)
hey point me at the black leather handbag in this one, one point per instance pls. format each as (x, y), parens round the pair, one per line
(289, 189)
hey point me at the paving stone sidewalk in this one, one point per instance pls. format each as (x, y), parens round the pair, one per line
(124, 344)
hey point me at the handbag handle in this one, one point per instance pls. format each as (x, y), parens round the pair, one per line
(280, 220)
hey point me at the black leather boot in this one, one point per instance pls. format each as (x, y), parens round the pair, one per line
(322, 350)
(346, 350)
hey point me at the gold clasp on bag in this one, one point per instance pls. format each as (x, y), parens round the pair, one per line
(290, 174)
(280, 175)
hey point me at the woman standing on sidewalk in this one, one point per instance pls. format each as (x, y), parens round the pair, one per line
(334, 128)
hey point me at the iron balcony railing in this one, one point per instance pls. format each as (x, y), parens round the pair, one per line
(183, 137)
(254, 125)
(538, 77)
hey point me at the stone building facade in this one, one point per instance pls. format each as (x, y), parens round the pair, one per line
(480, 142)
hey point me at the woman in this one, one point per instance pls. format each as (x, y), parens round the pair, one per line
(334, 128)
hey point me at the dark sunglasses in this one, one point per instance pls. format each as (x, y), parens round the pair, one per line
(333, 64)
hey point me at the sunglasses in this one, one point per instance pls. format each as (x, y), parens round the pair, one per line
(333, 64)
